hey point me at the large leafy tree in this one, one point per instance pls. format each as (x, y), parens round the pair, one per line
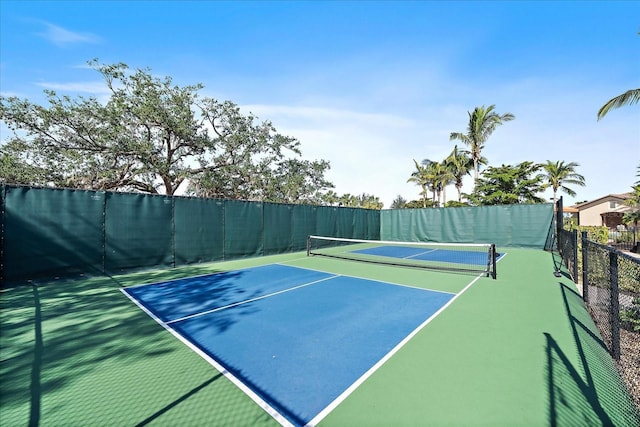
(559, 175)
(13, 169)
(482, 122)
(153, 136)
(509, 185)
(399, 202)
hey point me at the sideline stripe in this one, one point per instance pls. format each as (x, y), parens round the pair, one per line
(381, 362)
(274, 413)
(252, 395)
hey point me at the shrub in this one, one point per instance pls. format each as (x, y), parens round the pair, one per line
(630, 317)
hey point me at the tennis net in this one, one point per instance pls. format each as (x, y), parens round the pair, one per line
(463, 257)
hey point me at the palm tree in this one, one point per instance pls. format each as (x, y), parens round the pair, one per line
(330, 198)
(422, 178)
(632, 96)
(441, 176)
(559, 174)
(460, 165)
(482, 122)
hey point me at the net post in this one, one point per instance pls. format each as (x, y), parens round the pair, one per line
(309, 245)
(494, 254)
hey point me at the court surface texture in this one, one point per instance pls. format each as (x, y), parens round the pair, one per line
(296, 340)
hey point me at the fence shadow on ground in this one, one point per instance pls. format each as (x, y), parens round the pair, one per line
(586, 373)
(79, 350)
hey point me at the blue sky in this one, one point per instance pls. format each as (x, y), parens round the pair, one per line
(369, 86)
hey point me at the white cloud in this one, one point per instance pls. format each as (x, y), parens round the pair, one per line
(96, 87)
(369, 153)
(555, 120)
(62, 37)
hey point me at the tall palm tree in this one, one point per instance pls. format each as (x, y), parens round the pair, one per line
(632, 96)
(482, 122)
(560, 174)
(460, 164)
(422, 177)
(441, 177)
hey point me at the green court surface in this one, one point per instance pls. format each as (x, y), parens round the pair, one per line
(517, 351)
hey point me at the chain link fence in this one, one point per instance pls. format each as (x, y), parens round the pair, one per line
(611, 290)
(610, 280)
(568, 249)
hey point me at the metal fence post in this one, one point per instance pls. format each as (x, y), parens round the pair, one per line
(615, 305)
(559, 216)
(575, 256)
(585, 268)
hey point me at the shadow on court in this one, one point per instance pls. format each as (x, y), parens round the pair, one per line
(74, 350)
(558, 266)
(582, 386)
(178, 401)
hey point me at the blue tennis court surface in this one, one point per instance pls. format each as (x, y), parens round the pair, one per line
(297, 338)
(440, 255)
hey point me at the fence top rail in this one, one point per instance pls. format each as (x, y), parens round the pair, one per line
(631, 258)
(585, 240)
(627, 256)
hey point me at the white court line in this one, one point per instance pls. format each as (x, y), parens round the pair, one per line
(382, 361)
(238, 383)
(371, 280)
(421, 253)
(275, 414)
(235, 304)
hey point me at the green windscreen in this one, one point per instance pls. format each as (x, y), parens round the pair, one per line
(278, 224)
(531, 221)
(373, 224)
(52, 232)
(360, 224)
(327, 221)
(504, 225)
(56, 232)
(492, 224)
(199, 230)
(303, 225)
(243, 229)
(451, 231)
(138, 230)
(344, 222)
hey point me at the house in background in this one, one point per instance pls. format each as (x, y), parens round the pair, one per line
(607, 211)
